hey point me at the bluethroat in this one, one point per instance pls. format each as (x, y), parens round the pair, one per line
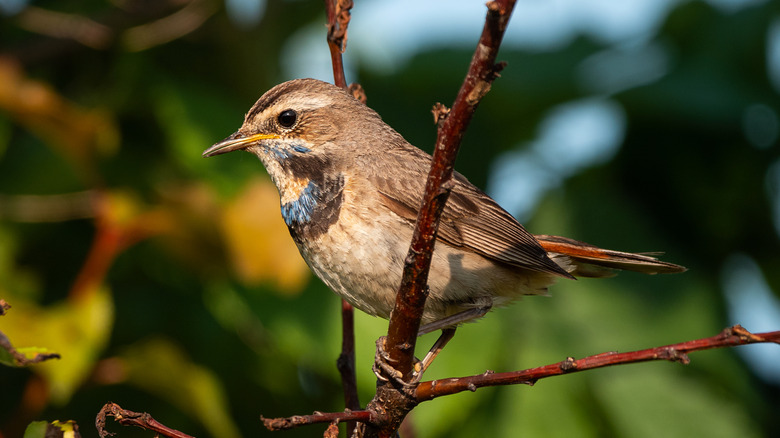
(350, 189)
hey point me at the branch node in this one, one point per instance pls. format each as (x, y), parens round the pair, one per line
(496, 71)
(744, 334)
(440, 113)
(567, 365)
(674, 355)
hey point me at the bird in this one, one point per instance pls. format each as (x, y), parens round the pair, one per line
(350, 189)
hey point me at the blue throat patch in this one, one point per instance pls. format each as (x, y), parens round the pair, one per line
(281, 153)
(300, 210)
(301, 149)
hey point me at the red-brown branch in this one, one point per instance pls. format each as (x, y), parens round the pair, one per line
(318, 417)
(410, 301)
(346, 362)
(729, 337)
(338, 15)
(130, 418)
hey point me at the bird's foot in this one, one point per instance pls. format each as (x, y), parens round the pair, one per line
(386, 372)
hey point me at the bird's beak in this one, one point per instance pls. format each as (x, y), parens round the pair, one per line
(236, 142)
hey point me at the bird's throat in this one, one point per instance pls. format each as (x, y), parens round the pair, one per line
(299, 200)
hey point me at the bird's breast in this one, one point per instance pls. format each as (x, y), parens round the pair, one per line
(310, 207)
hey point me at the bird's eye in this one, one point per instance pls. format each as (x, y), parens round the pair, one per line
(287, 118)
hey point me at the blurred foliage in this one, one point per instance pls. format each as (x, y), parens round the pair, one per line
(169, 285)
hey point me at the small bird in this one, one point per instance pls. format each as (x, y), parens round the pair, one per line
(350, 189)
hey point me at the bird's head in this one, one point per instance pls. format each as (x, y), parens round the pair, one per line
(298, 119)
(306, 132)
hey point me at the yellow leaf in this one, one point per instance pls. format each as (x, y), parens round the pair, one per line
(258, 241)
(78, 329)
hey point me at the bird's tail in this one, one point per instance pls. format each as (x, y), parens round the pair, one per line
(585, 260)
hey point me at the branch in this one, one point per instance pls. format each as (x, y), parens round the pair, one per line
(346, 360)
(130, 418)
(338, 20)
(729, 337)
(410, 300)
(338, 15)
(318, 417)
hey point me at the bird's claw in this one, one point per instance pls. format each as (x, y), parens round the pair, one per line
(386, 372)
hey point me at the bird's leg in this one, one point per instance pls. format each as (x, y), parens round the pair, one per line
(454, 320)
(384, 371)
(447, 326)
(445, 337)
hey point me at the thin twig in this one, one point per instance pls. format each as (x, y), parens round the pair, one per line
(130, 418)
(20, 359)
(729, 337)
(346, 361)
(338, 15)
(338, 20)
(317, 417)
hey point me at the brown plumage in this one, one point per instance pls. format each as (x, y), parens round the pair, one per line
(350, 188)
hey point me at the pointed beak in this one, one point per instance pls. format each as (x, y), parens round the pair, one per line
(235, 142)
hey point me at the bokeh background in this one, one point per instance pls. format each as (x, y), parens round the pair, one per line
(169, 284)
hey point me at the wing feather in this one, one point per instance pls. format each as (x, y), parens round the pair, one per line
(471, 219)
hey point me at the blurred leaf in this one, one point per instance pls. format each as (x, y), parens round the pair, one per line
(260, 245)
(55, 429)
(163, 369)
(36, 429)
(77, 328)
(78, 133)
(18, 357)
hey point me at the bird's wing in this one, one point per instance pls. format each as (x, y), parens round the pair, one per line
(471, 219)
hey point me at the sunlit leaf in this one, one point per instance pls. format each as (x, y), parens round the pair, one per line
(260, 245)
(77, 329)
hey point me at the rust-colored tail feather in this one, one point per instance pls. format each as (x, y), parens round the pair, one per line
(585, 260)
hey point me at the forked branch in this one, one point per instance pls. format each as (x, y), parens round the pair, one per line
(729, 337)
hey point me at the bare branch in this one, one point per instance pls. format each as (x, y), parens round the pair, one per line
(729, 337)
(346, 360)
(338, 21)
(317, 417)
(338, 15)
(130, 418)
